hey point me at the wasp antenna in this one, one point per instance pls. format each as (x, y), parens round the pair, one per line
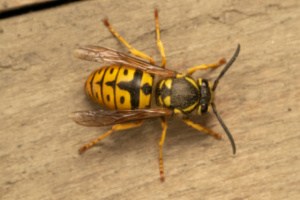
(156, 12)
(105, 22)
(231, 61)
(224, 127)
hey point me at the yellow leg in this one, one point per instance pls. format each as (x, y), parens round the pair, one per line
(124, 42)
(202, 128)
(191, 70)
(158, 41)
(161, 143)
(117, 127)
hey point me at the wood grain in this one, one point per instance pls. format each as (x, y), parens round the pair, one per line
(259, 99)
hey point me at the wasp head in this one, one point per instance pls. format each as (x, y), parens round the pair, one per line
(206, 95)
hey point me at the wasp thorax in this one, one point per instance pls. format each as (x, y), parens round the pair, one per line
(205, 95)
(181, 94)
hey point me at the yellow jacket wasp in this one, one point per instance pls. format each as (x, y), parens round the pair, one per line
(126, 86)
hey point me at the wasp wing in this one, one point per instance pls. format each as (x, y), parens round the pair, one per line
(111, 117)
(102, 54)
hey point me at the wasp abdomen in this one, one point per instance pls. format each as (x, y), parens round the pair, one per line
(120, 87)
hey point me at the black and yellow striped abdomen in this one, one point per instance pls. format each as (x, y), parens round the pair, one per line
(120, 87)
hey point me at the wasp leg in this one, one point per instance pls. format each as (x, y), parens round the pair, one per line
(202, 128)
(161, 143)
(117, 127)
(158, 41)
(131, 49)
(191, 70)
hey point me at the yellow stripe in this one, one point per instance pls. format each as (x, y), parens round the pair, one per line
(96, 87)
(88, 88)
(161, 84)
(167, 101)
(168, 83)
(145, 100)
(199, 110)
(192, 82)
(190, 108)
(177, 111)
(160, 102)
(125, 74)
(199, 82)
(108, 90)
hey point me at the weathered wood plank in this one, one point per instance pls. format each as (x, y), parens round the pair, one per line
(259, 99)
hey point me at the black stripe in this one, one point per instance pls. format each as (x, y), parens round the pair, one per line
(100, 83)
(113, 85)
(115, 88)
(147, 89)
(133, 87)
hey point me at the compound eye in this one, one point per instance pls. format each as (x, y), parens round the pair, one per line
(202, 108)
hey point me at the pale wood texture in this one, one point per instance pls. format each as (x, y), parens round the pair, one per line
(41, 83)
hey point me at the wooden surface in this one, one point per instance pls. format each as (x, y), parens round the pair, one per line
(41, 83)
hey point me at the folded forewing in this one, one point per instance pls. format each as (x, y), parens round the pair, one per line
(111, 117)
(102, 54)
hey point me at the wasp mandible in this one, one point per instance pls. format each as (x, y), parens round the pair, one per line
(127, 88)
